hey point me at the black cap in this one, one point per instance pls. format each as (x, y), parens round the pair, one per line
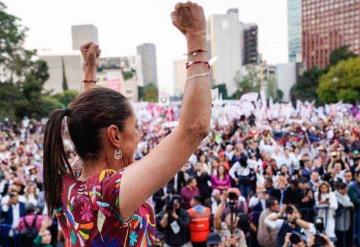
(214, 239)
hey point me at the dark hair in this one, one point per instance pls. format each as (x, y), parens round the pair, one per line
(199, 199)
(189, 180)
(270, 201)
(88, 115)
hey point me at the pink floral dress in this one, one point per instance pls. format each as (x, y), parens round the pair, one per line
(90, 214)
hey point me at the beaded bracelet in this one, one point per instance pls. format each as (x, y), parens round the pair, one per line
(195, 52)
(188, 64)
(89, 81)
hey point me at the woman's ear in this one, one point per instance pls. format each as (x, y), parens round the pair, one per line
(113, 135)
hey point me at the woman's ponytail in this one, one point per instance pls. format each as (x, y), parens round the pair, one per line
(55, 161)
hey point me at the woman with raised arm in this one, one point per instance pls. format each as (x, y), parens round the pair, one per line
(106, 205)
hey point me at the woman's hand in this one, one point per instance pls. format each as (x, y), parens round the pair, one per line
(90, 53)
(189, 18)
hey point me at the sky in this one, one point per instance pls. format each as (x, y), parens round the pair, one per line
(124, 24)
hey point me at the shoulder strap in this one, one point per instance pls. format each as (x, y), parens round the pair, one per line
(34, 221)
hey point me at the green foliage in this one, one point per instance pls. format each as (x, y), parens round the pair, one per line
(127, 75)
(66, 97)
(271, 89)
(279, 95)
(305, 88)
(222, 90)
(247, 83)
(65, 85)
(9, 95)
(340, 54)
(341, 83)
(151, 93)
(23, 77)
(141, 93)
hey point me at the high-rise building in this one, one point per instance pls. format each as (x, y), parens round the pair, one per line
(251, 55)
(82, 34)
(327, 25)
(225, 34)
(179, 76)
(294, 30)
(62, 66)
(147, 52)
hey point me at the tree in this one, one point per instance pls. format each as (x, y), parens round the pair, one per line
(305, 88)
(65, 85)
(22, 74)
(271, 89)
(250, 82)
(222, 90)
(151, 93)
(341, 83)
(66, 97)
(340, 54)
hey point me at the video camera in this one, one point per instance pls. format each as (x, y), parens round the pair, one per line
(319, 226)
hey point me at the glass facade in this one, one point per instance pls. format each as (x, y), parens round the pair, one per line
(294, 30)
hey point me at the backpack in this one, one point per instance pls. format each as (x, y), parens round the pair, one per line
(29, 233)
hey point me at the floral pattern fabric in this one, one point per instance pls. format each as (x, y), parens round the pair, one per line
(90, 215)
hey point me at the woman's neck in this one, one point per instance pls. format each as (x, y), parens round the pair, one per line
(93, 167)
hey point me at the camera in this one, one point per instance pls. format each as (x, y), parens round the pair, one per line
(296, 238)
(319, 226)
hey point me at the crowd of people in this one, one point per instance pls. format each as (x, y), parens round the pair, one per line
(264, 176)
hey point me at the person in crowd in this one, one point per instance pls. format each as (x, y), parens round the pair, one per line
(29, 225)
(175, 223)
(31, 193)
(243, 174)
(189, 192)
(214, 240)
(343, 219)
(307, 201)
(221, 181)
(44, 238)
(354, 193)
(199, 222)
(267, 236)
(326, 204)
(11, 213)
(203, 180)
(315, 180)
(286, 221)
(231, 234)
(257, 204)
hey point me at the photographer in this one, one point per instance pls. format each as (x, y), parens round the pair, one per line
(175, 223)
(231, 234)
(287, 221)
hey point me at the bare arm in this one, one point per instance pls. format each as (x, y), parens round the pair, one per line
(144, 177)
(90, 53)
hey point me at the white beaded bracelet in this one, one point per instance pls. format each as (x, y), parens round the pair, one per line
(198, 75)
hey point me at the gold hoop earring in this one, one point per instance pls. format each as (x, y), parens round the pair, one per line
(118, 154)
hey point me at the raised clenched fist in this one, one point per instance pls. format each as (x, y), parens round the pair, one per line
(189, 18)
(90, 53)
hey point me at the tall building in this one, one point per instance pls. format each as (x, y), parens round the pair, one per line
(225, 34)
(286, 77)
(179, 76)
(82, 34)
(147, 52)
(294, 30)
(327, 25)
(251, 55)
(60, 65)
